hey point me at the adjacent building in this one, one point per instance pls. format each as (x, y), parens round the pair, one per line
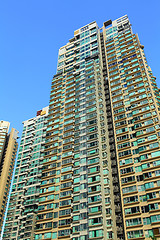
(99, 172)
(134, 102)
(8, 151)
(21, 216)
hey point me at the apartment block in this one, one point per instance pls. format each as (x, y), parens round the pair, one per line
(21, 216)
(79, 199)
(8, 151)
(102, 143)
(99, 171)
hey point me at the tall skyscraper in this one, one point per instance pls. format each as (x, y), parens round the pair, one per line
(77, 199)
(21, 216)
(101, 169)
(102, 148)
(8, 150)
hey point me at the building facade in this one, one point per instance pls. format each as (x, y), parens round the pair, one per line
(21, 215)
(102, 143)
(100, 177)
(78, 199)
(134, 105)
(8, 151)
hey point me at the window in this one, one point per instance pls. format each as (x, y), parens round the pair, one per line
(156, 163)
(145, 209)
(153, 145)
(123, 137)
(93, 169)
(149, 233)
(95, 233)
(124, 145)
(149, 185)
(48, 225)
(83, 227)
(65, 202)
(128, 179)
(83, 216)
(76, 198)
(38, 236)
(151, 195)
(135, 234)
(132, 210)
(141, 188)
(94, 199)
(121, 130)
(47, 235)
(130, 199)
(49, 215)
(75, 208)
(76, 218)
(95, 209)
(54, 235)
(151, 137)
(155, 154)
(146, 221)
(133, 222)
(151, 129)
(76, 229)
(124, 153)
(95, 221)
(155, 218)
(153, 206)
(129, 189)
(63, 232)
(146, 165)
(126, 170)
(76, 180)
(125, 161)
(65, 212)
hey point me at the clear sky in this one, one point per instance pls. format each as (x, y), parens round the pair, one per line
(32, 31)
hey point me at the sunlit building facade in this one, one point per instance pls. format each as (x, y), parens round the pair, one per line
(79, 199)
(102, 144)
(101, 170)
(23, 205)
(134, 104)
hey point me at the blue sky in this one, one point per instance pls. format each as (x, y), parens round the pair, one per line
(32, 31)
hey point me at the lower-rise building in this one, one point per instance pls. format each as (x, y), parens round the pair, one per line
(23, 206)
(8, 151)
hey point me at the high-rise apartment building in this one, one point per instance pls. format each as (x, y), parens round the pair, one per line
(101, 169)
(101, 177)
(78, 196)
(21, 216)
(8, 150)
